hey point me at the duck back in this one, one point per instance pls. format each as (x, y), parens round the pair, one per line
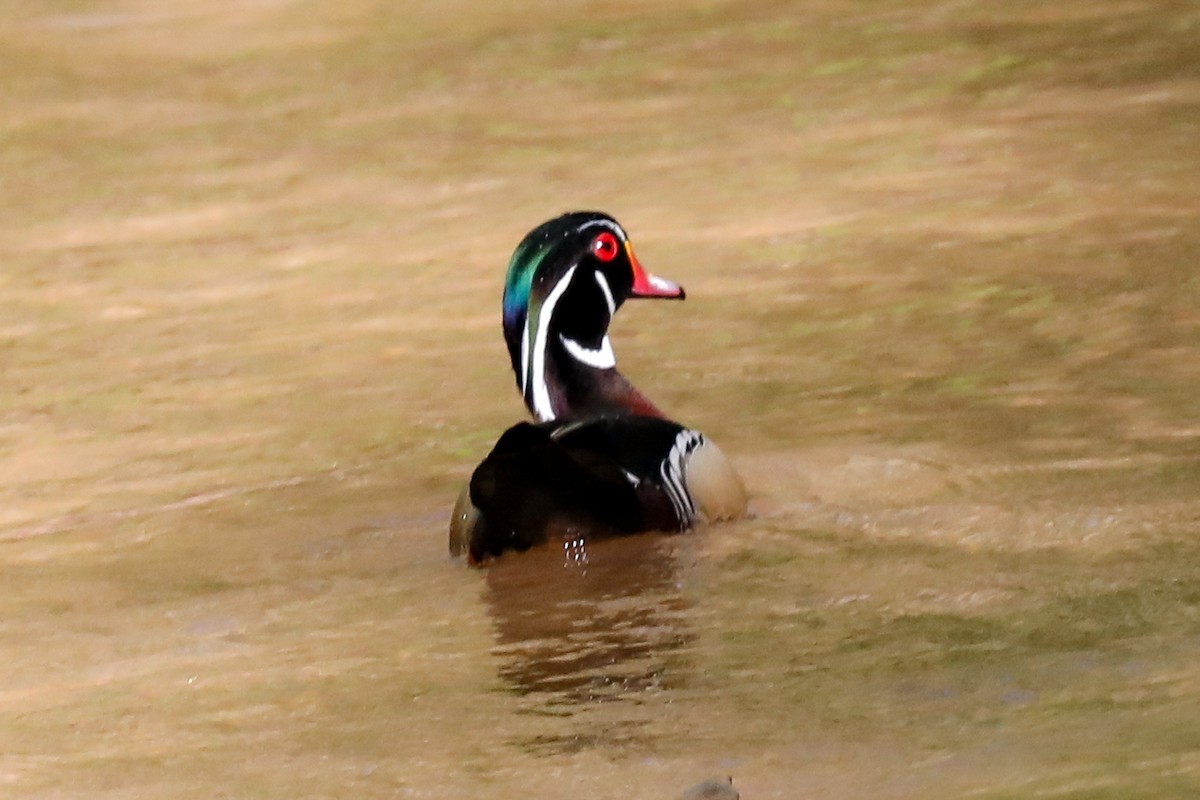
(599, 477)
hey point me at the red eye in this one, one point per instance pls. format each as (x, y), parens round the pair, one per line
(605, 247)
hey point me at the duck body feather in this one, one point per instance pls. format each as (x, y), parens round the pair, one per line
(610, 475)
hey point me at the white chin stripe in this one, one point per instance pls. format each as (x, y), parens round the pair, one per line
(600, 358)
(608, 298)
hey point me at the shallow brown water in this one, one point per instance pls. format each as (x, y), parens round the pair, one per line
(941, 266)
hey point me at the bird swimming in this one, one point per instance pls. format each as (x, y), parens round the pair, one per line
(601, 458)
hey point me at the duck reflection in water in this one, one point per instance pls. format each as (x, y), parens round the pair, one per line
(591, 622)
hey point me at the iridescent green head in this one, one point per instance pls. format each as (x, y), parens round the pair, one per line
(566, 279)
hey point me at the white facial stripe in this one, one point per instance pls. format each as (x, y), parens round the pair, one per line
(600, 358)
(603, 281)
(604, 223)
(525, 356)
(542, 408)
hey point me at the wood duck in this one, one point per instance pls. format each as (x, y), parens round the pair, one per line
(601, 458)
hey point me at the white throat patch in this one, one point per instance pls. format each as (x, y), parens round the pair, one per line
(533, 348)
(602, 357)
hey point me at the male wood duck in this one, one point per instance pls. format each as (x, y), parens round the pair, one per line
(601, 459)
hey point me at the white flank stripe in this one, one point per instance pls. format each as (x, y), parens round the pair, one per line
(541, 391)
(600, 358)
(674, 481)
(672, 497)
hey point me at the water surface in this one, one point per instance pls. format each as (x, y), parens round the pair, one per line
(942, 314)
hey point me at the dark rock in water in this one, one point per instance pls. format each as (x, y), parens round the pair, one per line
(712, 789)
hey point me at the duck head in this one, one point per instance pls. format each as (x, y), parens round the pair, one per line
(566, 280)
